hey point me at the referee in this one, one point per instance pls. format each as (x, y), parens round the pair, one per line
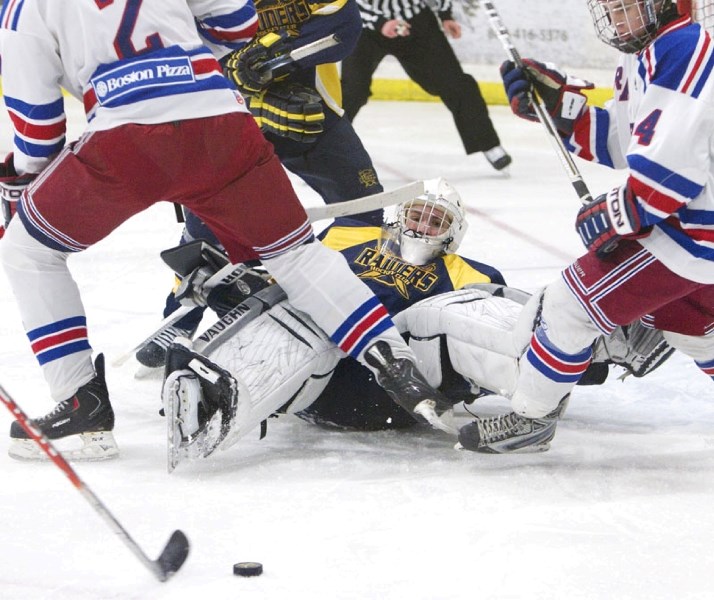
(410, 31)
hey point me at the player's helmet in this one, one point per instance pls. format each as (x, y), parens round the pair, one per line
(427, 226)
(629, 25)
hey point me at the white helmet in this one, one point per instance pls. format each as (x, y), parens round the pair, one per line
(629, 25)
(427, 226)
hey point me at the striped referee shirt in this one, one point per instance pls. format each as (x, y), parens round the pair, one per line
(375, 13)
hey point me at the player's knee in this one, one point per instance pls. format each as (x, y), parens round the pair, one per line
(700, 348)
(19, 251)
(568, 325)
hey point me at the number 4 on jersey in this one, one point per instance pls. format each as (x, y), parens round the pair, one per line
(646, 129)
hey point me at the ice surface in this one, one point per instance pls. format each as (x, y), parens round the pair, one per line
(619, 508)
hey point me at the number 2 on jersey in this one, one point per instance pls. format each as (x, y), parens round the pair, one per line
(122, 41)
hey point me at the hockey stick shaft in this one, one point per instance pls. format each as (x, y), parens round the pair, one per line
(175, 552)
(360, 205)
(226, 274)
(576, 179)
(316, 213)
(167, 322)
(302, 52)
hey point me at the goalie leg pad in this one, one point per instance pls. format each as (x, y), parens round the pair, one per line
(480, 333)
(282, 362)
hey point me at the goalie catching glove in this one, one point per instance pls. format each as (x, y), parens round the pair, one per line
(249, 67)
(609, 218)
(562, 94)
(289, 110)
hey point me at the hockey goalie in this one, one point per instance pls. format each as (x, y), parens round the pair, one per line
(264, 358)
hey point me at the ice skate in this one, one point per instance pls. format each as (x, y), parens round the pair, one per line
(510, 433)
(498, 158)
(407, 387)
(153, 354)
(79, 427)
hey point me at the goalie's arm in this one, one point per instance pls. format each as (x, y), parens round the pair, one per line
(340, 18)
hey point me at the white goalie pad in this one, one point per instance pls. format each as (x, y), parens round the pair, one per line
(485, 334)
(281, 360)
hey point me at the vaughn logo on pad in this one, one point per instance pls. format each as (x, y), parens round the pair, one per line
(140, 75)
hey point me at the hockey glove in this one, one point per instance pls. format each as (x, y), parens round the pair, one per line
(562, 94)
(220, 290)
(609, 218)
(289, 110)
(11, 187)
(226, 296)
(248, 67)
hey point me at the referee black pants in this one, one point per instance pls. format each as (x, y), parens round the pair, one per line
(429, 60)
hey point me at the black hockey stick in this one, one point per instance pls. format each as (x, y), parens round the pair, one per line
(176, 550)
(576, 179)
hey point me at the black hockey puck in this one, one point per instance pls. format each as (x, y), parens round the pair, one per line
(247, 569)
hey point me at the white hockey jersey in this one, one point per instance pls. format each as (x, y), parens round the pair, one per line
(128, 61)
(660, 125)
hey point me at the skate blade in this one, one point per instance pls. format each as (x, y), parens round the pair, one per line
(426, 410)
(84, 447)
(201, 445)
(488, 450)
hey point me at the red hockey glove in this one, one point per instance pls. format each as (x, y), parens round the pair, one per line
(11, 187)
(561, 93)
(609, 218)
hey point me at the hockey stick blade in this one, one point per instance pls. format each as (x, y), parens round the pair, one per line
(173, 555)
(176, 550)
(367, 203)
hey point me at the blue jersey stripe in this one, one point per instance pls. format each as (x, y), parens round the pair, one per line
(62, 351)
(60, 325)
(38, 150)
(36, 112)
(665, 177)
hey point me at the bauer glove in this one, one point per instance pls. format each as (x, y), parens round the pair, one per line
(11, 187)
(561, 94)
(609, 218)
(249, 67)
(289, 110)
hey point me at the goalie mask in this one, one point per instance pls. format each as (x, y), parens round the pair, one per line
(427, 226)
(629, 25)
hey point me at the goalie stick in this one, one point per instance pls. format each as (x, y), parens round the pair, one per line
(227, 274)
(576, 179)
(367, 203)
(315, 213)
(176, 550)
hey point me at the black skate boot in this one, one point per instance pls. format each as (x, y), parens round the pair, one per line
(511, 432)
(87, 417)
(401, 379)
(153, 354)
(498, 158)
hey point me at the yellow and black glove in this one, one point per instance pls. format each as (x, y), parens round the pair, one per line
(249, 67)
(289, 110)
